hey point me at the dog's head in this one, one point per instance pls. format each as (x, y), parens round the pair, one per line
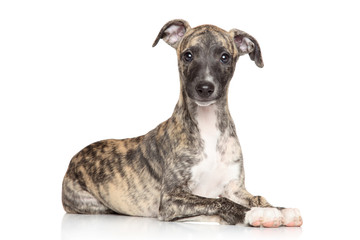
(207, 57)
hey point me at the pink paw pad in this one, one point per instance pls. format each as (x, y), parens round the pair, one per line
(268, 224)
(256, 224)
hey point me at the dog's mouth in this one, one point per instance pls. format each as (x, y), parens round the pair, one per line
(205, 103)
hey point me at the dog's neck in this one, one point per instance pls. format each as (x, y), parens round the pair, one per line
(208, 119)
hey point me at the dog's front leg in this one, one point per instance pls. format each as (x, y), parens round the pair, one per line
(262, 213)
(235, 190)
(179, 204)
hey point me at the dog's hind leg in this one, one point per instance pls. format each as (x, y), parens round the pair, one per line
(76, 199)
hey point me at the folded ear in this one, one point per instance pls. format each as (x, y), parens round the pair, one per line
(172, 32)
(245, 43)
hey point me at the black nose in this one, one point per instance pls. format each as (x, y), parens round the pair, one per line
(205, 89)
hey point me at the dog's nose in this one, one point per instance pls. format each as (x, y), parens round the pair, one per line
(205, 89)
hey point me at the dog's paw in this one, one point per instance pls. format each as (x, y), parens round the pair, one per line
(291, 217)
(264, 217)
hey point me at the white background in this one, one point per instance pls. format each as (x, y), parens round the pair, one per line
(74, 72)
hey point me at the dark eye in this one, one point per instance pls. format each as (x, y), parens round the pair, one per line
(225, 58)
(188, 57)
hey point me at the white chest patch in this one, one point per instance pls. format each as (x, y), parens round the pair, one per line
(218, 164)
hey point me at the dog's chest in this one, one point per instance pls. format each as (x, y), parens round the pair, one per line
(219, 160)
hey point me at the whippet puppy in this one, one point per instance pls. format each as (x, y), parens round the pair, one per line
(190, 165)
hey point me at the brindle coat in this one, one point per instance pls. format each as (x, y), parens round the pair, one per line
(190, 165)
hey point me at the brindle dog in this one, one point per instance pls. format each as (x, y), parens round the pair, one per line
(190, 165)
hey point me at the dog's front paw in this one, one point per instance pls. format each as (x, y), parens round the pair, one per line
(291, 217)
(264, 217)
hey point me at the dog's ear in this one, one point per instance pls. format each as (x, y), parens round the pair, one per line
(245, 43)
(172, 32)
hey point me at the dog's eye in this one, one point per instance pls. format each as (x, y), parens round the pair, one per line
(188, 57)
(225, 58)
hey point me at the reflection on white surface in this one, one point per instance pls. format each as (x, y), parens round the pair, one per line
(124, 227)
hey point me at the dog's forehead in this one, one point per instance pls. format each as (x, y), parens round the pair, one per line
(206, 36)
